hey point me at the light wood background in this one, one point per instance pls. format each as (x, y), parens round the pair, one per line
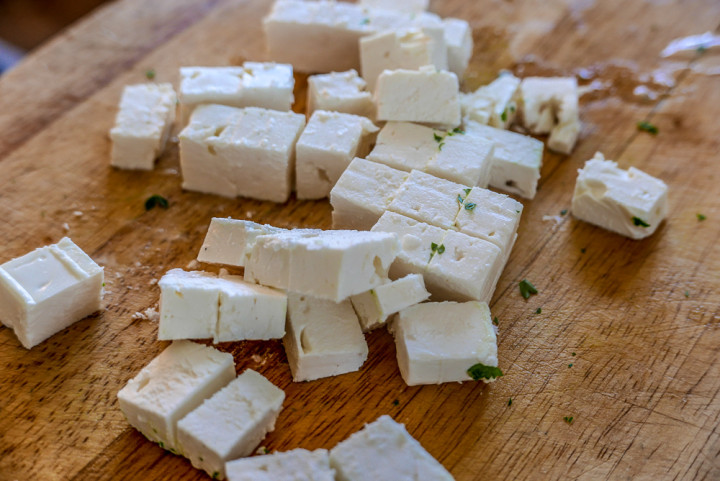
(643, 317)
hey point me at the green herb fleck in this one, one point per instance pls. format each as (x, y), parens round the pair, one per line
(438, 138)
(701, 217)
(568, 419)
(441, 248)
(512, 108)
(583, 250)
(539, 310)
(503, 116)
(687, 293)
(572, 354)
(563, 212)
(470, 206)
(365, 21)
(460, 199)
(640, 222)
(396, 402)
(266, 450)
(458, 130)
(150, 74)
(570, 365)
(646, 126)
(104, 286)
(202, 459)
(156, 200)
(496, 321)
(216, 475)
(467, 191)
(481, 371)
(701, 49)
(527, 289)
(161, 444)
(510, 402)
(440, 145)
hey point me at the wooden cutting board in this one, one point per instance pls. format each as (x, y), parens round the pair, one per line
(628, 341)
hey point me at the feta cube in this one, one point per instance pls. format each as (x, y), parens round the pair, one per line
(295, 465)
(142, 126)
(231, 423)
(385, 450)
(495, 104)
(363, 192)
(47, 290)
(405, 146)
(268, 85)
(516, 159)
(330, 141)
(438, 342)
(550, 105)
(375, 306)
(340, 92)
(629, 202)
(323, 338)
(173, 384)
(426, 95)
(459, 41)
(409, 6)
(428, 199)
(211, 85)
(229, 241)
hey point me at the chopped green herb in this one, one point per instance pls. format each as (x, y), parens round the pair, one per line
(701, 217)
(433, 246)
(467, 191)
(646, 126)
(510, 402)
(150, 74)
(365, 21)
(539, 310)
(527, 289)
(687, 293)
(568, 419)
(701, 49)
(572, 354)
(570, 365)
(161, 444)
(460, 199)
(470, 206)
(640, 222)
(104, 286)
(583, 250)
(266, 450)
(481, 371)
(438, 138)
(440, 145)
(441, 248)
(458, 130)
(563, 212)
(156, 200)
(216, 475)
(496, 321)
(503, 116)
(512, 108)
(396, 402)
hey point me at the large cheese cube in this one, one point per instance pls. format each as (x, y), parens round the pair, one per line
(516, 159)
(363, 192)
(459, 41)
(231, 423)
(550, 105)
(375, 306)
(326, 147)
(426, 95)
(173, 384)
(385, 450)
(323, 338)
(629, 202)
(229, 241)
(429, 199)
(439, 341)
(47, 290)
(495, 104)
(142, 125)
(410, 6)
(295, 465)
(340, 92)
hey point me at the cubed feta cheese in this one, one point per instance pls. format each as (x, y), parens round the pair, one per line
(47, 290)
(495, 104)
(340, 92)
(268, 85)
(426, 95)
(409, 6)
(405, 146)
(295, 465)
(438, 342)
(330, 141)
(459, 41)
(229, 241)
(385, 450)
(428, 199)
(516, 159)
(142, 125)
(375, 306)
(363, 192)
(550, 105)
(629, 202)
(231, 423)
(173, 384)
(323, 338)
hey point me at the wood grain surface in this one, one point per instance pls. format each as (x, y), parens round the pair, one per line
(628, 341)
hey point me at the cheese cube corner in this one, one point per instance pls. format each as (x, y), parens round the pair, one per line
(298, 464)
(375, 306)
(459, 41)
(229, 241)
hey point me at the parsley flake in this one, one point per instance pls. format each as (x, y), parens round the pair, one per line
(496, 321)
(467, 191)
(150, 74)
(503, 116)
(460, 199)
(396, 402)
(701, 49)
(435, 248)
(572, 353)
(646, 126)
(510, 402)
(438, 138)
(568, 419)
(640, 222)
(701, 217)
(527, 289)
(539, 310)
(216, 475)
(458, 130)
(481, 371)
(583, 250)
(441, 248)
(470, 206)
(440, 145)
(156, 200)
(365, 21)
(687, 293)
(570, 365)
(563, 212)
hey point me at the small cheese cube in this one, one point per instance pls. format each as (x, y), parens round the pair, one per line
(429, 199)
(211, 85)
(323, 338)
(439, 341)
(231, 423)
(495, 104)
(426, 95)
(340, 92)
(459, 41)
(295, 465)
(375, 306)
(142, 125)
(173, 384)
(409, 6)
(326, 147)
(229, 241)
(405, 146)
(47, 290)
(516, 159)
(384, 450)
(550, 105)
(268, 85)
(629, 202)
(363, 192)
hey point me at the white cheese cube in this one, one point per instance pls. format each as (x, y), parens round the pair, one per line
(426, 95)
(211, 85)
(323, 338)
(229, 241)
(230, 424)
(340, 92)
(495, 104)
(268, 85)
(144, 119)
(295, 465)
(363, 192)
(375, 306)
(429, 199)
(438, 342)
(459, 41)
(516, 159)
(173, 384)
(271, 261)
(405, 146)
(550, 105)
(408, 6)
(47, 290)
(188, 305)
(385, 450)
(629, 202)
(330, 141)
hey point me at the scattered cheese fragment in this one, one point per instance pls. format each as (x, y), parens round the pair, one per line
(173, 384)
(231, 423)
(340, 92)
(550, 105)
(229, 241)
(428, 199)
(384, 450)
(375, 306)
(629, 202)
(438, 342)
(323, 338)
(295, 465)
(47, 290)
(459, 41)
(410, 6)
(495, 104)
(142, 125)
